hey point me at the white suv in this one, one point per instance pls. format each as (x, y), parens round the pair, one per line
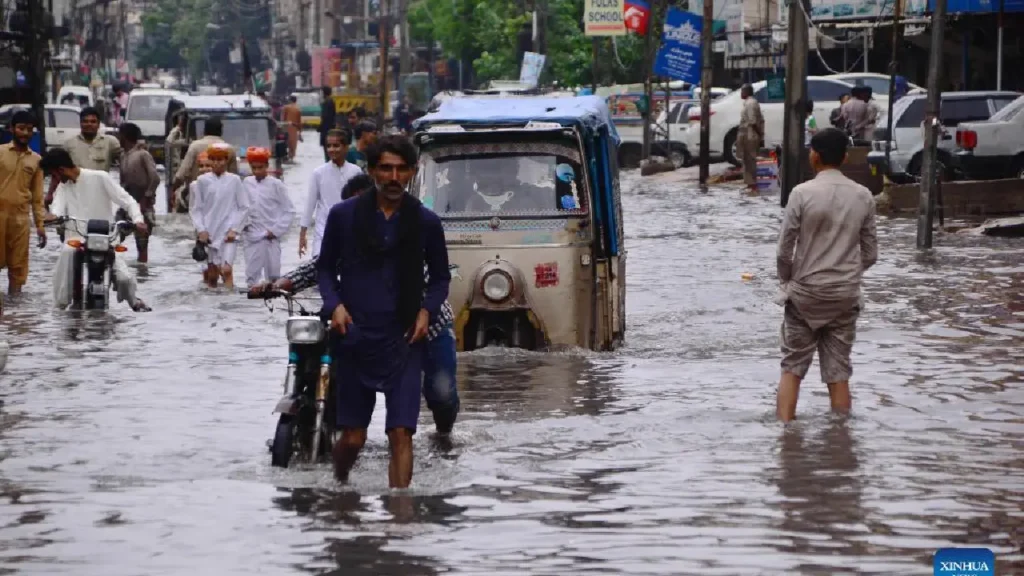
(725, 115)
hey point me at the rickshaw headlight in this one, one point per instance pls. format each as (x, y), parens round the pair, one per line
(304, 330)
(497, 286)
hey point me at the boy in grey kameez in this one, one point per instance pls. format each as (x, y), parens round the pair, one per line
(830, 224)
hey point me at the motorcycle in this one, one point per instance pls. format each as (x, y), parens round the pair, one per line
(94, 260)
(306, 422)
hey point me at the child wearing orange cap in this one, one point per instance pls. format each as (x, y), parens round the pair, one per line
(270, 215)
(218, 206)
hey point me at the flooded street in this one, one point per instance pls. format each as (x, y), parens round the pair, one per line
(136, 444)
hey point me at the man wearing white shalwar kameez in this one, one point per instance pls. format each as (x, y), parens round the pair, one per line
(218, 211)
(89, 195)
(270, 215)
(325, 189)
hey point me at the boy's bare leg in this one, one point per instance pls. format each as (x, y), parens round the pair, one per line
(227, 273)
(789, 393)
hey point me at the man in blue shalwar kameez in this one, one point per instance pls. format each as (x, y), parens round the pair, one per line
(370, 274)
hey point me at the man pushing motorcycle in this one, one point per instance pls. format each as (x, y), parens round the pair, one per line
(89, 195)
(439, 365)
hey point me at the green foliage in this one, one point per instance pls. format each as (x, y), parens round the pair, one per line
(486, 33)
(177, 34)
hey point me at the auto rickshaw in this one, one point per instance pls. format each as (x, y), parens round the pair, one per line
(247, 119)
(528, 192)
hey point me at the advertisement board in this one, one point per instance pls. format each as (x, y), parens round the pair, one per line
(604, 18)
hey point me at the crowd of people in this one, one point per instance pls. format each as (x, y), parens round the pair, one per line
(379, 256)
(380, 261)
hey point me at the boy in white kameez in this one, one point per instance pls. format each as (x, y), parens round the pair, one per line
(218, 210)
(270, 215)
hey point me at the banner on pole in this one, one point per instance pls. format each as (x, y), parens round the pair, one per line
(680, 54)
(533, 63)
(603, 18)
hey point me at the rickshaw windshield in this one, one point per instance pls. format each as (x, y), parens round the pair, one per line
(506, 180)
(242, 132)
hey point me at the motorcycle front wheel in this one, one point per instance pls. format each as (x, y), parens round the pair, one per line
(284, 442)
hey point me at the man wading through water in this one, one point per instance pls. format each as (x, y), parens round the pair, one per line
(140, 178)
(830, 221)
(379, 243)
(440, 389)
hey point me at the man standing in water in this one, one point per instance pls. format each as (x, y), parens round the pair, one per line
(328, 119)
(830, 222)
(380, 241)
(89, 149)
(749, 136)
(440, 389)
(21, 185)
(140, 178)
(324, 191)
(291, 117)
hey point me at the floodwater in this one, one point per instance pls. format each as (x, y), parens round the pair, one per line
(135, 444)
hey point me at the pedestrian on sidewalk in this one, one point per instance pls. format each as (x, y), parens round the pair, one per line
(826, 243)
(749, 136)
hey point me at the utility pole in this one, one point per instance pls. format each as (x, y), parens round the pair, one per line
(932, 127)
(382, 37)
(894, 67)
(999, 46)
(35, 44)
(593, 65)
(405, 60)
(651, 43)
(706, 47)
(797, 47)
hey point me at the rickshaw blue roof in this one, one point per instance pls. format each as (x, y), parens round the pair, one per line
(588, 112)
(223, 102)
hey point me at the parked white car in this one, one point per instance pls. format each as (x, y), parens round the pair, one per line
(879, 83)
(907, 142)
(725, 115)
(147, 108)
(61, 122)
(993, 149)
(78, 96)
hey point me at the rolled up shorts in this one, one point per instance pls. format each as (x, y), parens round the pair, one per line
(355, 402)
(833, 342)
(223, 255)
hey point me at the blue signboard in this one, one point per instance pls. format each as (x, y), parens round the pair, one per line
(979, 6)
(679, 56)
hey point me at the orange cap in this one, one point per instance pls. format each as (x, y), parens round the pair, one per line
(203, 156)
(256, 154)
(219, 150)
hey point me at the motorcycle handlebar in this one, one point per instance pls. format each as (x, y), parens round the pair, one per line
(268, 294)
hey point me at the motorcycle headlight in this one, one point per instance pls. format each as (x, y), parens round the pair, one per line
(304, 330)
(497, 286)
(97, 243)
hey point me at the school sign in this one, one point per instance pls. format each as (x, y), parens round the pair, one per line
(604, 18)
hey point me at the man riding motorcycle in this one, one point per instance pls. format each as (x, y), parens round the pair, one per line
(89, 194)
(439, 386)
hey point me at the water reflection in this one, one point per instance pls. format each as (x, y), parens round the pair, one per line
(361, 548)
(517, 385)
(819, 476)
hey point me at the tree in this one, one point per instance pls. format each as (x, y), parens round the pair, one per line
(486, 34)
